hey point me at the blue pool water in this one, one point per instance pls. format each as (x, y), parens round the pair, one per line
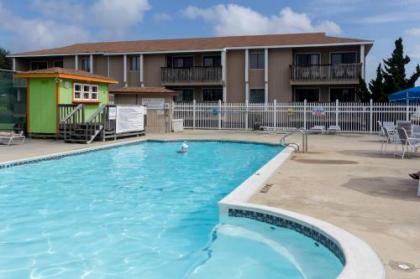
(145, 211)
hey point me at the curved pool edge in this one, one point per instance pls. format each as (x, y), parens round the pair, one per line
(360, 260)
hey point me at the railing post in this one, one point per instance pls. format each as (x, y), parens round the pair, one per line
(407, 111)
(336, 112)
(304, 114)
(246, 115)
(219, 115)
(275, 113)
(194, 114)
(371, 116)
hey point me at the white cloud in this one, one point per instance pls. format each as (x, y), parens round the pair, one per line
(415, 32)
(116, 16)
(234, 19)
(38, 33)
(64, 22)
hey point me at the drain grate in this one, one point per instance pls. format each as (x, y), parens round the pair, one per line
(402, 266)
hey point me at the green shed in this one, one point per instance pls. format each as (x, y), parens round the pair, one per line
(47, 89)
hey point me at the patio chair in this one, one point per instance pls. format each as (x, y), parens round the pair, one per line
(391, 136)
(406, 125)
(333, 129)
(318, 129)
(9, 138)
(415, 131)
(407, 143)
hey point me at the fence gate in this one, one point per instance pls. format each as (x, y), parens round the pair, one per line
(158, 119)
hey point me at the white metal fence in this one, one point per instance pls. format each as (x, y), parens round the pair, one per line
(351, 117)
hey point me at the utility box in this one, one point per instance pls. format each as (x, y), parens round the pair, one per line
(177, 125)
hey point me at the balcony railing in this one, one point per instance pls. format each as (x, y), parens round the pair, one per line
(193, 74)
(339, 72)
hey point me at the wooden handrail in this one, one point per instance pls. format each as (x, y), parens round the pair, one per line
(78, 108)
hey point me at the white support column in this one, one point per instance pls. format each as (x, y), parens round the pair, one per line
(266, 75)
(141, 70)
(224, 74)
(14, 64)
(125, 70)
(107, 66)
(76, 62)
(363, 61)
(91, 63)
(246, 75)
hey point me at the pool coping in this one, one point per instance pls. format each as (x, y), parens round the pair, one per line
(360, 260)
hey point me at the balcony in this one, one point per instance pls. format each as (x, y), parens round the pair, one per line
(193, 75)
(326, 74)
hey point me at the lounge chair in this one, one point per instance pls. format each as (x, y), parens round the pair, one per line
(391, 136)
(334, 129)
(278, 130)
(318, 129)
(407, 143)
(406, 125)
(9, 138)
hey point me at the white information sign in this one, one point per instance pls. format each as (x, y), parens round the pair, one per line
(112, 113)
(130, 119)
(153, 103)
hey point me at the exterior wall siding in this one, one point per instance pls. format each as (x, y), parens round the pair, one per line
(116, 70)
(151, 65)
(100, 65)
(235, 80)
(279, 61)
(256, 78)
(68, 62)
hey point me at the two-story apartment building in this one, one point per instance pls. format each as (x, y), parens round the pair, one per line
(236, 69)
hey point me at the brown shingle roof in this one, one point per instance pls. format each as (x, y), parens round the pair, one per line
(147, 90)
(66, 73)
(196, 44)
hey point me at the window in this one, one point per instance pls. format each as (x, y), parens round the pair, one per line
(85, 92)
(307, 59)
(212, 94)
(257, 96)
(38, 65)
(134, 63)
(343, 94)
(182, 61)
(184, 95)
(58, 63)
(85, 64)
(343, 58)
(211, 61)
(256, 59)
(308, 94)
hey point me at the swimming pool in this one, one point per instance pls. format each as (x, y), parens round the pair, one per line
(145, 211)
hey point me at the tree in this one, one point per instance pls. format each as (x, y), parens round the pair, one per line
(362, 91)
(394, 74)
(376, 86)
(4, 61)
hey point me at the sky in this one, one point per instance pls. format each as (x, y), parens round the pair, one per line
(35, 24)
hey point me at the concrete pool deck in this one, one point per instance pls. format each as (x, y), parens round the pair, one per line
(342, 180)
